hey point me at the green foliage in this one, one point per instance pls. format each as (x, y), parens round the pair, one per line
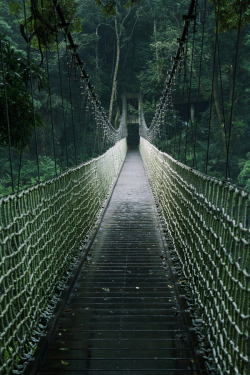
(29, 170)
(228, 13)
(244, 176)
(41, 25)
(28, 173)
(22, 116)
(147, 43)
(108, 7)
(14, 7)
(149, 110)
(132, 110)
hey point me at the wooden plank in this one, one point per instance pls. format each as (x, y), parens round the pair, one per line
(123, 316)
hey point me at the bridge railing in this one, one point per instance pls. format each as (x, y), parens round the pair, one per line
(207, 220)
(42, 230)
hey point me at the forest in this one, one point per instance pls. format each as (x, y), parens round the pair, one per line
(46, 124)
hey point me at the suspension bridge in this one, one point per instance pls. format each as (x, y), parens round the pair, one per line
(130, 263)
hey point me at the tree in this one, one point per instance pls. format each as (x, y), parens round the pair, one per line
(128, 49)
(109, 7)
(244, 175)
(119, 21)
(228, 12)
(15, 74)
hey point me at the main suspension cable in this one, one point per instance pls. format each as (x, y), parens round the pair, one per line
(98, 108)
(176, 60)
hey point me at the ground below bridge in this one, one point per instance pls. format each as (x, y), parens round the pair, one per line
(123, 316)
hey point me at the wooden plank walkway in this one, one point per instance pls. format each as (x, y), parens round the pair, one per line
(123, 316)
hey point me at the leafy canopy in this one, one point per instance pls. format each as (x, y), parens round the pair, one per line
(108, 7)
(229, 11)
(41, 26)
(17, 73)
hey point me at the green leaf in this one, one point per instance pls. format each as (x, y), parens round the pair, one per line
(64, 363)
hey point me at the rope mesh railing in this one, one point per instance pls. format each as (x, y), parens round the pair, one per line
(207, 220)
(42, 229)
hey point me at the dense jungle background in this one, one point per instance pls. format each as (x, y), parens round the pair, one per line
(125, 49)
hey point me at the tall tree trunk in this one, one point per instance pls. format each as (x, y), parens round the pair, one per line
(118, 32)
(114, 84)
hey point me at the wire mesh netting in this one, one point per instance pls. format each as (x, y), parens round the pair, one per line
(42, 229)
(208, 221)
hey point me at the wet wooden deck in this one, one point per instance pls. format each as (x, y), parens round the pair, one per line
(123, 316)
